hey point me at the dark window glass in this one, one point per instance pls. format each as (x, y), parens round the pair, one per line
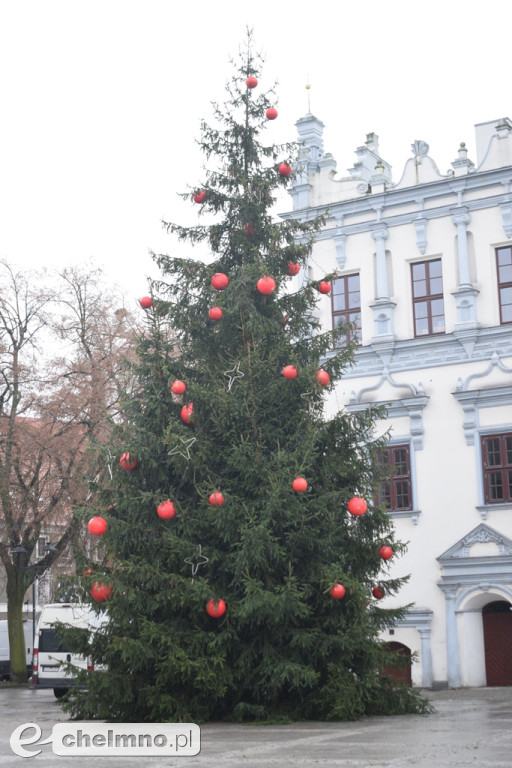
(51, 642)
(346, 307)
(497, 467)
(504, 269)
(395, 490)
(427, 296)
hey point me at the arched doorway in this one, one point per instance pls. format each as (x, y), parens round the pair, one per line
(399, 672)
(497, 624)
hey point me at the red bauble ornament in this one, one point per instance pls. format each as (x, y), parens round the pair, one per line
(293, 268)
(324, 287)
(266, 285)
(300, 484)
(216, 499)
(220, 281)
(386, 553)
(97, 526)
(146, 302)
(199, 196)
(322, 377)
(187, 413)
(166, 510)
(248, 229)
(251, 81)
(215, 313)
(216, 608)
(271, 113)
(378, 592)
(284, 169)
(337, 591)
(290, 372)
(100, 592)
(178, 387)
(127, 462)
(357, 506)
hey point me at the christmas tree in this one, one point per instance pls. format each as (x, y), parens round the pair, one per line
(239, 584)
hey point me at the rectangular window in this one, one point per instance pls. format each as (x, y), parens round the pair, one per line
(504, 268)
(497, 468)
(427, 297)
(346, 307)
(396, 491)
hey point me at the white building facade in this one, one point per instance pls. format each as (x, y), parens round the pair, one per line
(424, 271)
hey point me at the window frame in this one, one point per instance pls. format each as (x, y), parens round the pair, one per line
(428, 298)
(393, 480)
(351, 334)
(503, 469)
(502, 284)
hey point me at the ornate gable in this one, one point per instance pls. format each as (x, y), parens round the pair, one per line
(482, 534)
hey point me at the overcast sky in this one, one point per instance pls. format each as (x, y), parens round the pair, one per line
(101, 103)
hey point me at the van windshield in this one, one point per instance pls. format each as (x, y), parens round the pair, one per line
(51, 642)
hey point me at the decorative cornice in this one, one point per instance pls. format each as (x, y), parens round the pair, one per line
(472, 400)
(391, 199)
(431, 352)
(418, 618)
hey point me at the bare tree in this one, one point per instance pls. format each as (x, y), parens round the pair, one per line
(62, 358)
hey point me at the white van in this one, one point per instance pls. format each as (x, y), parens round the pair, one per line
(50, 653)
(5, 657)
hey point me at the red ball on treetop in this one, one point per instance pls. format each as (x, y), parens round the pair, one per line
(215, 313)
(127, 462)
(300, 484)
(357, 506)
(146, 302)
(199, 196)
(97, 526)
(166, 510)
(266, 285)
(290, 372)
(324, 287)
(293, 268)
(337, 591)
(284, 169)
(251, 81)
(220, 281)
(386, 552)
(187, 413)
(271, 113)
(322, 377)
(378, 592)
(178, 387)
(216, 499)
(216, 607)
(100, 592)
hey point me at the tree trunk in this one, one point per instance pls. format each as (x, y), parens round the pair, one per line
(15, 594)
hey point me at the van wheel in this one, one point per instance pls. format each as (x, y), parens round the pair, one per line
(60, 692)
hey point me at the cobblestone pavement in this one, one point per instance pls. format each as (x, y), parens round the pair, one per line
(470, 727)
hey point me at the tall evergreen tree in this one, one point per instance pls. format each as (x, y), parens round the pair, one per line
(260, 554)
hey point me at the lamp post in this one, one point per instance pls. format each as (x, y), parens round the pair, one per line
(47, 548)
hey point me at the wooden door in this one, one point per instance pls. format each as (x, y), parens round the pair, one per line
(399, 672)
(497, 622)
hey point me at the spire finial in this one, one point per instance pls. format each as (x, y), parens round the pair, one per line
(308, 88)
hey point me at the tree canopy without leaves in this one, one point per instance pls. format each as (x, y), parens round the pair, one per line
(64, 341)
